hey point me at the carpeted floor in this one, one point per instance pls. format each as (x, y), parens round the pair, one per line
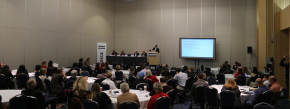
(184, 105)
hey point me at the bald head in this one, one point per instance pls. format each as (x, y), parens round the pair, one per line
(163, 65)
(135, 51)
(31, 83)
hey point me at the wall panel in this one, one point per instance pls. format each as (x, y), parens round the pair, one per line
(208, 18)
(180, 18)
(1, 12)
(154, 18)
(167, 18)
(63, 16)
(194, 18)
(34, 14)
(49, 48)
(33, 45)
(14, 13)
(95, 19)
(74, 49)
(85, 46)
(50, 15)
(143, 18)
(63, 49)
(86, 15)
(1, 48)
(76, 16)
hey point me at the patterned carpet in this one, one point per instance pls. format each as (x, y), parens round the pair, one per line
(184, 105)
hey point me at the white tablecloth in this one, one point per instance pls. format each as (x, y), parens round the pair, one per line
(125, 73)
(243, 97)
(228, 76)
(141, 96)
(90, 81)
(215, 71)
(8, 94)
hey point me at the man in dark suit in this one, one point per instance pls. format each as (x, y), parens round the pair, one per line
(114, 53)
(258, 94)
(155, 48)
(56, 81)
(136, 53)
(144, 54)
(42, 102)
(286, 65)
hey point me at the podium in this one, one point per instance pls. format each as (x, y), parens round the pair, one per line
(153, 58)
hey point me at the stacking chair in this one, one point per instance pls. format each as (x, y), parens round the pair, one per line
(3, 84)
(105, 87)
(129, 105)
(227, 100)
(100, 80)
(22, 80)
(199, 97)
(141, 85)
(150, 83)
(211, 97)
(211, 81)
(132, 79)
(173, 72)
(18, 102)
(221, 78)
(162, 103)
(173, 83)
(90, 104)
(114, 64)
(188, 84)
(243, 80)
(202, 68)
(85, 73)
(263, 105)
(69, 85)
(32, 103)
(267, 97)
(173, 68)
(48, 71)
(48, 88)
(118, 77)
(172, 94)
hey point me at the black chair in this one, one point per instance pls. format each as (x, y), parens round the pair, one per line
(173, 83)
(96, 73)
(100, 80)
(129, 105)
(162, 103)
(227, 100)
(267, 97)
(173, 72)
(242, 80)
(173, 68)
(199, 97)
(221, 78)
(18, 102)
(141, 85)
(114, 64)
(22, 80)
(105, 87)
(3, 84)
(202, 68)
(69, 84)
(211, 81)
(48, 71)
(263, 106)
(172, 94)
(32, 103)
(48, 88)
(85, 73)
(211, 97)
(0, 99)
(90, 104)
(39, 83)
(162, 73)
(188, 84)
(119, 76)
(132, 79)
(150, 83)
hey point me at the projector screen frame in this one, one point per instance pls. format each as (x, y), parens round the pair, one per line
(214, 49)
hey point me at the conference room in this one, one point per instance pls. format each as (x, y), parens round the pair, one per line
(154, 54)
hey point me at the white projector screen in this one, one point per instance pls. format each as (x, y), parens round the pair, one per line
(199, 48)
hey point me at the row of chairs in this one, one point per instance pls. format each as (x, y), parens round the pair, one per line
(21, 81)
(23, 102)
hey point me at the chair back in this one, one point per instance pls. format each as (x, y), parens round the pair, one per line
(105, 86)
(162, 103)
(141, 85)
(173, 68)
(162, 73)
(119, 75)
(202, 68)
(243, 80)
(150, 83)
(227, 99)
(211, 81)
(85, 73)
(48, 86)
(87, 68)
(267, 97)
(96, 73)
(90, 104)
(172, 94)
(173, 83)
(69, 85)
(3, 84)
(129, 105)
(22, 80)
(188, 84)
(199, 95)
(39, 83)
(100, 80)
(18, 102)
(32, 103)
(132, 79)
(211, 96)
(0, 99)
(48, 71)
(221, 78)
(173, 72)
(263, 105)
(114, 64)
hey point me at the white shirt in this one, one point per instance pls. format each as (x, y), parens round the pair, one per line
(266, 83)
(181, 78)
(110, 83)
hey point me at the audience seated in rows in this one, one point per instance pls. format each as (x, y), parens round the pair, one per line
(140, 68)
(165, 87)
(102, 74)
(159, 92)
(140, 79)
(97, 68)
(132, 71)
(80, 87)
(126, 96)
(151, 77)
(53, 71)
(275, 87)
(75, 103)
(235, 66)
(266, 81)
(56, 81)
(225, 65)
(89, 70)
(81, 60)
(43, 64)
(167, 75)
(102, 65)
(181, 78)
(37, 70)
(239, 73)
(21, 69)
(231, 86)
(97, 95)
(42, 102)
(8, 75)
(227, 69)
(43, 77)
(239, 66)
(74, 67)
(199, 82)
(118, 70)
(109, 82)
(258, 94)
(163, 68)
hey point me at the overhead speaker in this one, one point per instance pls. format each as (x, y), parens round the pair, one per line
(249, 50)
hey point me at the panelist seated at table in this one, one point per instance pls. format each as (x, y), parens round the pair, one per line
(114, 53)
(258, 94)
(144, 54)
(231, 86)
(126, 96)
(136, 53)
(122, 53)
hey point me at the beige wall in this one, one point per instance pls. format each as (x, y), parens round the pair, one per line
(32, 31)
(140, 24)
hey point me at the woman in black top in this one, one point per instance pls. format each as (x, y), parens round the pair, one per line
(6, 71)
(97, 68)
(100, 97)
(88, 61)
(107, 65)
(37, 70)
(50, 64)
(81, 62)
(21, 69)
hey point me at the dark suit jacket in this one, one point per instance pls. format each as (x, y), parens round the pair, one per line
(56, 83)
(114, 53)
(258, 94)
(157, 49)
(135, 53)
(35, 93)
(286, 65)
(145, 54)
(237, 93)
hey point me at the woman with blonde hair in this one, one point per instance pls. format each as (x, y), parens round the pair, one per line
(231, 86)
(102, 98)
(118, 70)
(79, 90)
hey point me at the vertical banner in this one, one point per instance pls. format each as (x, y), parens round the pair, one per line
(101, 51)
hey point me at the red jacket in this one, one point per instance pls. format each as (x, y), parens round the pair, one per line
(153, 78)
(151, 104)
(45, 68)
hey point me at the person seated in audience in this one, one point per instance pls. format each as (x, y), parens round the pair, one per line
(88, 61)
(21, 69)
(97, 68)
(136, 53)
(239, 73)
(151, 77)
(231, 86)
(114, 53)
(185, 69)
(225, 65)
(275, 87)
(109, 81)
(1, 66)
(199, 82)
(163, 68)
(102, 65)
(37, 70)
(118, 70)
(132, 65)
(254, 76)
(100, 97)
(8, 75)
(122, 53)
(73, 76)
(132, 71)
(258, 94)
(50, 66)
(140, 68)
(140, 79)
(126, 96)
(43, 64)
(239, 66)
(81, 60)
(80, 87)
(53, 71)
(42, 77)
(165, 87)
(227, 70)
(56, 81)
(107, 65)
(245, 71)
(75, 103)
(42, 102)
(190, 72)
(144, 54)
(102, 74)
(74, 67)
(89, 68)
(235, 66)
(167, 75)
(181, 78)
(266, 81)
(159, 93)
